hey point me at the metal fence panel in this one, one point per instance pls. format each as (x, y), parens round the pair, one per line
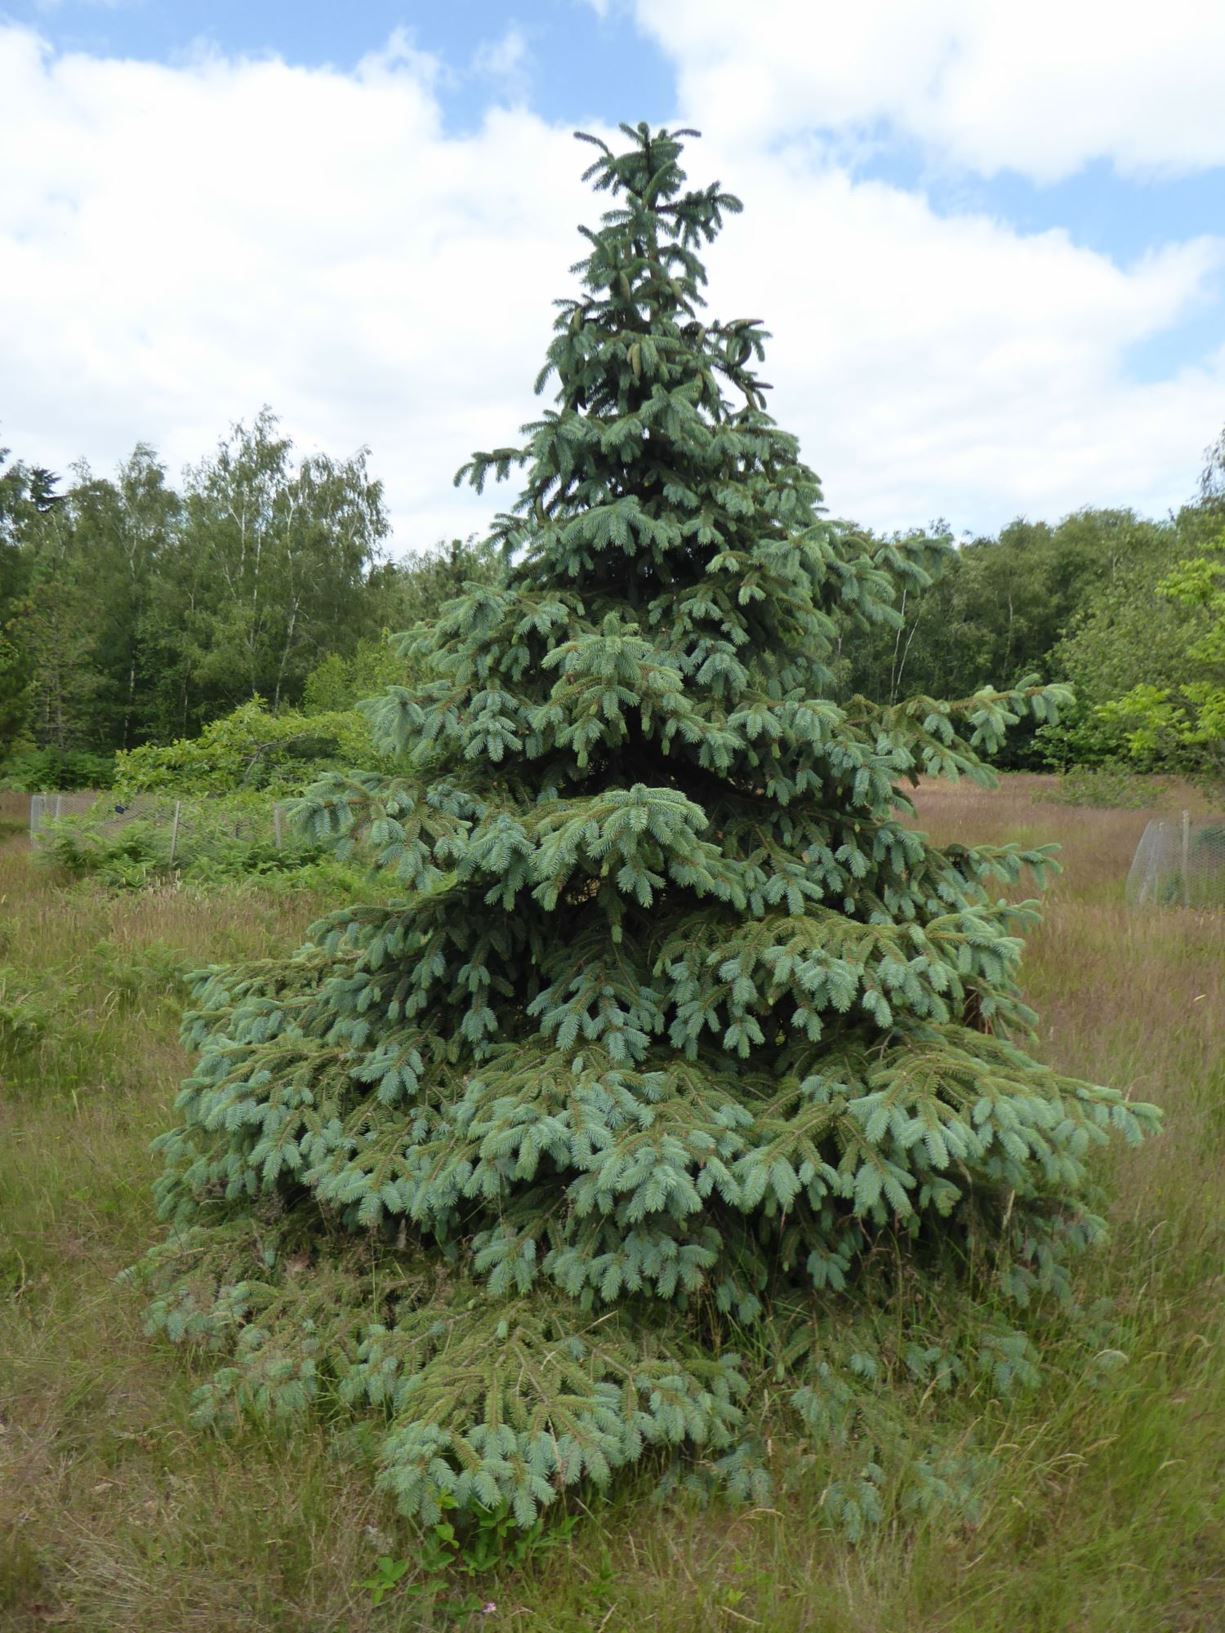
(46, 808)
(187, 827)
(1179, 863)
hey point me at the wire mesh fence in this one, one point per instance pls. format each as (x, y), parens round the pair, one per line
(1179, 863)
(46, 808)
(173, 829)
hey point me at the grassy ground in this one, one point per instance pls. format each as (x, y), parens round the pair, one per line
(1105, 1512)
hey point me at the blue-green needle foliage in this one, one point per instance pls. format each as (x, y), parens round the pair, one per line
(675, 1018)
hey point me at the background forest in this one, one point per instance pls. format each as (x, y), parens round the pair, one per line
(135, 613)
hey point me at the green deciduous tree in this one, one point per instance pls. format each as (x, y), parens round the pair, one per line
(1182, 726)
(403, 593)
(25, 496)
(268, 575)
(55, 629)
(250, 749)
(678, 1023)
(91, 559)
(1123, 635)
(1000, 608)
(1145, 650)
(126, 529)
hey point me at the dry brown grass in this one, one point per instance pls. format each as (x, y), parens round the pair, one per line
(1136, 999)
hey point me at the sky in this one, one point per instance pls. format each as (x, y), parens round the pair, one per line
(988, 239)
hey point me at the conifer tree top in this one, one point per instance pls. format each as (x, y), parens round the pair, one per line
(678, 598)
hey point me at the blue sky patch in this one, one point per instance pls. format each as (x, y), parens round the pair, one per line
(574, 65)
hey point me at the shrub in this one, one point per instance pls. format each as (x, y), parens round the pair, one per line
(249, 750)
(218, 842)
(126, 857)
(1108, 786)
(1081, 737)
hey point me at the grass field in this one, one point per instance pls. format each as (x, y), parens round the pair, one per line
(1104, 1513)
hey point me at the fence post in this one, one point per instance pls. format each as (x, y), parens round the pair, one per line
(1186, 858)
(59, 806)
(174, 831)
(276, 825)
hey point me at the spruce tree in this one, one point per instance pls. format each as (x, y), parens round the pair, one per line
(668, 1018)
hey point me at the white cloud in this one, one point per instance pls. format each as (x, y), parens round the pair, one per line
(505, 61)
(953, 366)
(181, 244)
(1041, 87)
